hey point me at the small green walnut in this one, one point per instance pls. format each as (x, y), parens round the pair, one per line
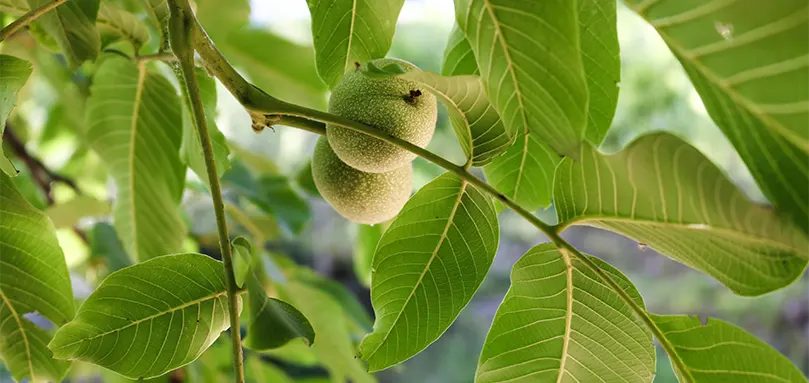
(361, 197)
(391, 104)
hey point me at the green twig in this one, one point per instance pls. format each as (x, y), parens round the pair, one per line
(28, 18)
(180, 33)
(259, 104)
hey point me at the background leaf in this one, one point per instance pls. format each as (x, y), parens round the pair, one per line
(428, 264)
(106, 247)
(602, 64)
(34, 280)
(664, 193)
(14, 73)
(242, 256)
(704, 349)
(560, 322)
(115, 23)
(72, 25)
(364, 247)
(273, 322)
(477, 125)
(748, 86)
(458, 56)
(532, 66)
(349, 31)
(191, 149)
(150, 318)
(68, 214)
(135, 126)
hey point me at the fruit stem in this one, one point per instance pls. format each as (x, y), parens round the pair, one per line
(260, 104)
(181, 25)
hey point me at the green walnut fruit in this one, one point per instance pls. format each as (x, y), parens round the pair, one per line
(359, 196)
(389, 103)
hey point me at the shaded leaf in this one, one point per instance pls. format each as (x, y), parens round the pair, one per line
(34, 280)
(14, 7)
(115, 23)
(72, 25)
(721, 352)
(276, 195)
(662, 192)
(105, 245)
(274, 323)
(135, 126)
(158, 10)
(261, 371)
(150, 318)
(305, 180)
(532, 66)
(602, 64)
(349, 31)
(560, 322)
(749, 61)
(14, 73)
(458, 56)
(68, 214)
(191, 149)
(427, 265)
(242, 255)
(364, 247)
(525, 172)
(477, 125)
(352, 307)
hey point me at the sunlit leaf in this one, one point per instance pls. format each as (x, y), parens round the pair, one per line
(34, 280)
(525, 172)
(458, 56)
(602, 64)
(135, 126)
(115, 23)
(427, 266)
(477, 125)
(350, 31)
(274, 323)
(749, 61)
(242, 255)
(191, 150)
(72, 25)
(150, 318)
(531, 66)
(718, 351)
(68, 214)
(664, 193)
(14, 73)
(560, 322)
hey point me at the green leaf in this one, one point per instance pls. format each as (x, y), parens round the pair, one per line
(105, 245)
(242, 255)
(68, 214)
(115, 23)
(352, 307)
(158, 10)
(525, 172)
(748, 61)
(532, 66)
(135, 126)
(305, 180)
(458, 56)
(364, 247)
(478, 126)
(150, 318)
(560, 322)
(72, 25)
(14, 7)
(191, 150)
(261, 371)
(274, 323)
(427, 266)
(718, 351)
(14, 73)
(276, 195)
(664, 193)
(349, 31)
(34, 280)
(602, 64)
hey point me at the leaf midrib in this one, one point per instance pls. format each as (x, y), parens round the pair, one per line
(568, 312)
(133, 127)
(350, 36)
(443, 237)
(27, 344)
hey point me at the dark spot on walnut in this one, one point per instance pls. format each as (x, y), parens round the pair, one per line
(411, 98)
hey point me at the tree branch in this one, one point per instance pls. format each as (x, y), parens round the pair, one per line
(43, 176)
(28, 18)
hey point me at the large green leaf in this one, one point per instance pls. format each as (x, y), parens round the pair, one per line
(559, 322)
(34, 280)
(717, 351)
(191, 150)
(531, 66)
(749, 61)
(14, 73)
(350, 31)
(525, 172)
(602, 64)
(428, 264)
(72, 25)
(135, 126)
(150, 318)
(662, 192)
(115, 23)
(478, 126)
(458, 56)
